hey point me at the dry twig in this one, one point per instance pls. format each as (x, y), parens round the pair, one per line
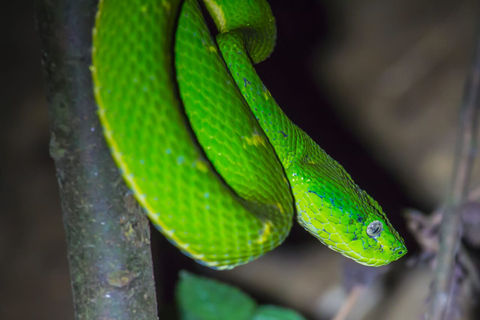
(444, 286)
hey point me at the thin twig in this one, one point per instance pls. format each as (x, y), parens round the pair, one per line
(474, 194)
(450, 232)
(469, 265)
(348, 304)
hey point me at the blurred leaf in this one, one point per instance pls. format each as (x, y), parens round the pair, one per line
(200, 298)
(276, 313)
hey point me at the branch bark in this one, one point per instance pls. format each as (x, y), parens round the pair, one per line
(108, 235)
(442, 294)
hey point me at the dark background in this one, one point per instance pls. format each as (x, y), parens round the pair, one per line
(315, 75)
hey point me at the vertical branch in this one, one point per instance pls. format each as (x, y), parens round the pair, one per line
(442, 297)
(108, 235)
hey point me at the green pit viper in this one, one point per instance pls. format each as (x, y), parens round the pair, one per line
(218, 167)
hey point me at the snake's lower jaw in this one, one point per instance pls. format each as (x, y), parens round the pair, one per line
(373, 262)
(380, 263)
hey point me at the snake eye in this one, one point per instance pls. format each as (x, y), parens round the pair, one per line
(374, 229)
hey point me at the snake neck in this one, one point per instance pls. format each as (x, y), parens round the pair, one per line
(281, 132)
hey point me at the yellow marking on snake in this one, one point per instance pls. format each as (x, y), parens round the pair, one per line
(201, 165)
(212, 49)
(280, 207)
(256, 140)
(267, 95)
(167, 5)
(267, 229)
(218, 15)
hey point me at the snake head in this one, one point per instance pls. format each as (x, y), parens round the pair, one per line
(377, 243)
(342, 216)
(359, 231)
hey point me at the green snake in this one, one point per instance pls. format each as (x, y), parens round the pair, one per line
(218, 167)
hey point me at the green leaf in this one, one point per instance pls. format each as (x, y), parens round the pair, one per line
(200, 298)
(276, 313)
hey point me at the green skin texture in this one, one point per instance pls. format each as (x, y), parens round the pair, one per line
(218, 167)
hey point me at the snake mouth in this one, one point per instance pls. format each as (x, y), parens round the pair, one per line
(375, 262)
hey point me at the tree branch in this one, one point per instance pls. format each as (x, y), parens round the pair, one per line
(108, 235)
(442, 294)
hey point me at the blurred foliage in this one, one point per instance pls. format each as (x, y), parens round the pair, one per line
(201, 298)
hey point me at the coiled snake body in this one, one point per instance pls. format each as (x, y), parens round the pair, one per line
(217, 166)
